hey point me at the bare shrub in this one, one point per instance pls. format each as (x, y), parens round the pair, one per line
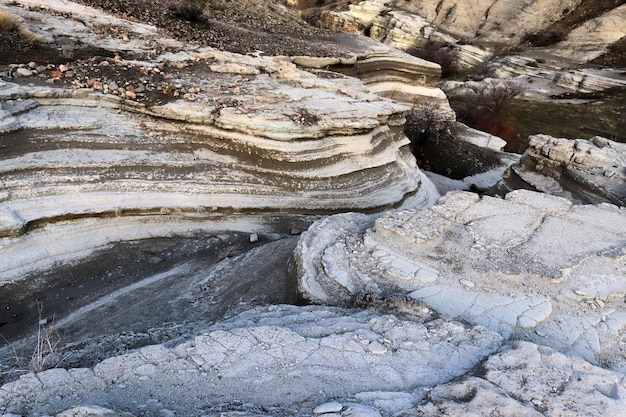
(545, 37)
(427, 124)
(492, 110)
(482, 71)
(10, 23)
(441, 53)
(7, 22)
(43, 355)
(190, 11)
(46, 345)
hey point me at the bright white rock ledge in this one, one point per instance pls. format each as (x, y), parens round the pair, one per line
(529, 267)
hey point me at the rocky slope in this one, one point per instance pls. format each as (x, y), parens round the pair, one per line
(480, 31)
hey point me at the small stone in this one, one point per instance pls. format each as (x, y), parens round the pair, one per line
(254, 237)
(467, 284)
(55, 74)
(330, 407)
(295, 231)
(63, 68)
(97, 85)
(131, 95)
(23, 72)
(32, 65)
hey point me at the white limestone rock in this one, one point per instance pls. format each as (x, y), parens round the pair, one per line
(591, 39)
(530, 266)
(297, 351)
(530, 380)
(584, 171)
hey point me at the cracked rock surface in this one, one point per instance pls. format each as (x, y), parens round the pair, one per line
(285, 357)
(532, 266)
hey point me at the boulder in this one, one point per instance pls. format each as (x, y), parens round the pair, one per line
(584, 171)
(531, 266)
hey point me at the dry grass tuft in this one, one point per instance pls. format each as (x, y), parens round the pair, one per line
(8, 22)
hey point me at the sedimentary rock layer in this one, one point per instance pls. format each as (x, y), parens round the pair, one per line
(531, 266)
(305, 361)
(584, 171)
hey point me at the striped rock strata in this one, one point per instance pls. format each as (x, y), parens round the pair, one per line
(189, 134)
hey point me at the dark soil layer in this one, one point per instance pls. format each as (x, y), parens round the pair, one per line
(242, 26)
(615, 57)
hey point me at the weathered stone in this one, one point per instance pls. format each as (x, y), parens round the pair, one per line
(511, 265)
(584, 171)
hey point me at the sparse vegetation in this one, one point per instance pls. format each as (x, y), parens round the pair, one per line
(490, 109)
(191, 11)
(544, 37)
(46, 344)
(436, 147)
(427, 124)
(10, 23)
(441, 53)
(43, 354)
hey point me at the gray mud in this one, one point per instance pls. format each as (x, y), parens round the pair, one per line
(142, 292)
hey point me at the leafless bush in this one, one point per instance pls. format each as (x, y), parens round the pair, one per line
(441, 53)
(482, 71)
(544, 37)
(46, 344)
(427, 124)
(190, 11)
(492, 110)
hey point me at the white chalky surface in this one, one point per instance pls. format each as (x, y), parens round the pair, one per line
(530, 266)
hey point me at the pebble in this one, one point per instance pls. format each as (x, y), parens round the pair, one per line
(63, 68)
(295, 231)
(254, 237)
(23, 72)
(467, 284)
(330, 407)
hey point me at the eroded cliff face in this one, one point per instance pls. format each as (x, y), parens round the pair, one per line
(500, 21)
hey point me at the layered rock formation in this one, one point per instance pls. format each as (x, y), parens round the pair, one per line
(532, 266)
(190, 134)
(493, 25)
(583, 171)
